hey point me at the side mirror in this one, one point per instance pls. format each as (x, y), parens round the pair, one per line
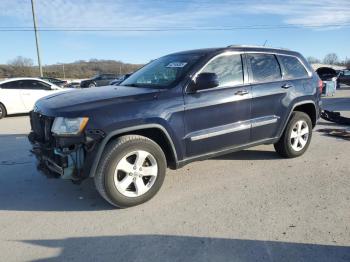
(206, 81)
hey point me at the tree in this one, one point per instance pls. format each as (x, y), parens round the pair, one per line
(347, 63)
(313, 60)
(331, 59)
(21, 66)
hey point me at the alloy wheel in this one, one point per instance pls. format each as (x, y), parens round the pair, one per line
(299, 135)
(136, 173)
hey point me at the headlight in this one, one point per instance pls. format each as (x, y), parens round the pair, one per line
(69, 126)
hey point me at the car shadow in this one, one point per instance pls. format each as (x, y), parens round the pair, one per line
(160, 248)
(16, 115)
(23, 188)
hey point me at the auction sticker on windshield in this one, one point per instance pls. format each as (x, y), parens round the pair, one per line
(177, 64)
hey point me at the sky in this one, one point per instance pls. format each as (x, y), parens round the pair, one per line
(137, 31)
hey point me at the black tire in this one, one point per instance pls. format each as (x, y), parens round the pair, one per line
(114, 152)
(284, 146)
(92, 85)
(2, 111)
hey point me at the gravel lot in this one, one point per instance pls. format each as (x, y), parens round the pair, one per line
(247, 206)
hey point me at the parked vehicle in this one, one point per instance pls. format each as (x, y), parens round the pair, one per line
(329, 77)
(73, 84)
(119, 80)
(18, 95)
(55, 81)
(177, 109)
(344, 77)
(99, 80)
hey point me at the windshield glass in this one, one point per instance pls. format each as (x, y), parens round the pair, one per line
(163, 72)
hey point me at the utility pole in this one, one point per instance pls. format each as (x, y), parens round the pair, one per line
(64, 73)
(36, 40)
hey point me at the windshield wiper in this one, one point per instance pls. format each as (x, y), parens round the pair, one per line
(132, 85)
(140, 85)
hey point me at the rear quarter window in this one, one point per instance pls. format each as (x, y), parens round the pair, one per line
(292, 68)
(264, 67)
(10, 85)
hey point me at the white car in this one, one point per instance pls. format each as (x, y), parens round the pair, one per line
(18, 95)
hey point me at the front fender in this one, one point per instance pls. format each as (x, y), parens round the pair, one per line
(115, 133)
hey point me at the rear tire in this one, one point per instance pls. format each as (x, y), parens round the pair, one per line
(2, 111)
(296, 136)
(131, 171)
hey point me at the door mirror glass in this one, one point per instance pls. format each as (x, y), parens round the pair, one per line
(206, 81)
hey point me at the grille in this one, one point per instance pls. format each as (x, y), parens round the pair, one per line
(41, 126)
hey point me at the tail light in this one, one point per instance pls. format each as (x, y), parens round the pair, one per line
(320, 85)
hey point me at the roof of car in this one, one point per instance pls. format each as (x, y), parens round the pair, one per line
(24, 78)
(242, 48)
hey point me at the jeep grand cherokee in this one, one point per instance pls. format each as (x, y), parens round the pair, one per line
(177, 109)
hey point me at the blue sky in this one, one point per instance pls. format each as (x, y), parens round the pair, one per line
(137, 31)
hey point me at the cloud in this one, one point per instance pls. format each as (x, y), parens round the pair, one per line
(308, 13)
(164, 14)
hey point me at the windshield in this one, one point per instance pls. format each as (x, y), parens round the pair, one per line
(163, 72)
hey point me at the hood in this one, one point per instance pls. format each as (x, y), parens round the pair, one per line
(326, 73)
(81, 100)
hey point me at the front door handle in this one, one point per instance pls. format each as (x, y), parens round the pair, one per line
(287, 85)
(241, 92)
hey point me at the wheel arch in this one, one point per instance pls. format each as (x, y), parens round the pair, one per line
(308, 107)
(3, 105)
(155, 132)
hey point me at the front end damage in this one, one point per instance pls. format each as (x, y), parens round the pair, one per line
(66, 157)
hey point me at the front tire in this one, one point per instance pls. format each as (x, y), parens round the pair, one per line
(92, 85)
(131, 171)
(2, 111)
(296, 136)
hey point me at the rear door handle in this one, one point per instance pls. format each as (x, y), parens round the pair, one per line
(241, 92)
(287, 85)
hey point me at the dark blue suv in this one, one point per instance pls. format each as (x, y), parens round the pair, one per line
(177, 109)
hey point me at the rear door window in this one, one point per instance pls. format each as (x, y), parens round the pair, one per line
(228, 68)
(292, 68)
(264, 67)
(34, 85)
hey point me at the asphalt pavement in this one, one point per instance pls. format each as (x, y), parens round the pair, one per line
(246, 206)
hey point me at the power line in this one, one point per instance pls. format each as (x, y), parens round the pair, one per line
(168, 27)
(165, 29)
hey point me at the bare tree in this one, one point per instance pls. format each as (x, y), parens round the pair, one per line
(21, 66)
(331, 59)
(313, 60)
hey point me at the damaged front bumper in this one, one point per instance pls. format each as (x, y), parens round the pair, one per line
(66, 157)
(53, 162)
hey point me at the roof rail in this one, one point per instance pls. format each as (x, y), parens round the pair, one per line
(246, 46)
(258, 46)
